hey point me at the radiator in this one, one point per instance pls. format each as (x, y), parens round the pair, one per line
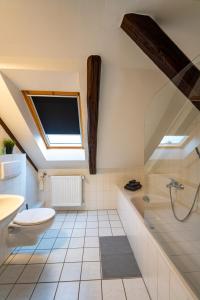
(66, 191)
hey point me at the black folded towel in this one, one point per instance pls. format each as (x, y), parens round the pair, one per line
(132, 181)
(133, 188)
(133, 185)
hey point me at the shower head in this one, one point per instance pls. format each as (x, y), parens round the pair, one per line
(197, 151)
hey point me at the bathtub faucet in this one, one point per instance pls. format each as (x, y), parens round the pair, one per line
(175, 184)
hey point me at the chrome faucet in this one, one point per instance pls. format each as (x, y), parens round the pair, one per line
(175, 184)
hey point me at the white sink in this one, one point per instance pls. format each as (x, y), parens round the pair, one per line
(9, 206)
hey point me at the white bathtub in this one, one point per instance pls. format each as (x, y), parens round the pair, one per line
(163, 280)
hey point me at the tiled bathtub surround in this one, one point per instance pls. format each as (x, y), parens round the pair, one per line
(181, 241)
(162, 279)
(65, 263)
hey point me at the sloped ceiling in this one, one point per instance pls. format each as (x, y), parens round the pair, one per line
(45, 45)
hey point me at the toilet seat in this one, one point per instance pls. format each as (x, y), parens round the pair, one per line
(34, 216)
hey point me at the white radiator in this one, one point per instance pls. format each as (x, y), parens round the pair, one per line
(66, 191)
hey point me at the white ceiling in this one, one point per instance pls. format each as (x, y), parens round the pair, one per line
(45, 45)
(71, 30)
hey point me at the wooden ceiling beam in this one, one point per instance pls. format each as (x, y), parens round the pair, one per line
(155, 43)
(93, 87)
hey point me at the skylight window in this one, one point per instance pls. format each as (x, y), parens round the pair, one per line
(57, 116)
(173, 140)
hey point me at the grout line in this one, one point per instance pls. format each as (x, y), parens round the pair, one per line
(74, 221)
(124, 288)
(79, 287)
(64, 260)
(44, 266)
(15, 281)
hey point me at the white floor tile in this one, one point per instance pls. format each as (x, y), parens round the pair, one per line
(78, 233)
(92, 213)
(44, 291)
(71, 272)
(81, 218)
(68, 225)
(59, 218)
(21, 292)
(65, 232)
(92, 232)
(137, 288)
(21, 258)
(104, 224)
(51, 272)
(31, 273)
(5, 290)
(2, 268)
(115, 224)
(30, 247)
(80, 225)
(113, 290)
(82, 213)
(118, 231)
(102, 212)
(114, 218)
(70, 218)
(90, 271)
(11, 273)
(105, 232)
(8, 260)
(91, 254)
(74, 255)
(103, 218)
(90, 290)
(67, 291)
(51, 233)
(57, 256)
(92, 242)
(61, 243)
(39, 257)
(46, 244)
(56, 225)
(92, 218)
(112, 212)
(92, 225)
(76, 242)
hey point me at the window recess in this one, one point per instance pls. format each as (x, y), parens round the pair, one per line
(57, 116)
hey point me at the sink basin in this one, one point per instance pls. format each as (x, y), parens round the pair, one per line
(9, 206)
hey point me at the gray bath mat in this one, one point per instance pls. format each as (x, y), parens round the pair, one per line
(117, 258)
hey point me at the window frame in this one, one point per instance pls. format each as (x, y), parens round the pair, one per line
(27, 96)
(175, 145)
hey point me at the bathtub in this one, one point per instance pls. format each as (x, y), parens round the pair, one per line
(162, 278)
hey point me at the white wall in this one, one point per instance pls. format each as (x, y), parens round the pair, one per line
(15, 185)
(99, 191)
(30, 178)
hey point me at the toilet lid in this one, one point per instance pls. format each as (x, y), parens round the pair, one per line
(34, 216)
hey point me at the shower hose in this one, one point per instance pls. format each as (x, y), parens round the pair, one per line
(190, 210)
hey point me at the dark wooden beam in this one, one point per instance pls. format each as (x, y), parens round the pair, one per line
(93, 87)
(155, 43)
(17, 143)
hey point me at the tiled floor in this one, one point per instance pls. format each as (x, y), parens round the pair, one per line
(65, 263)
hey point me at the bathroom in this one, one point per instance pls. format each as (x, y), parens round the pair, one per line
(90, 108)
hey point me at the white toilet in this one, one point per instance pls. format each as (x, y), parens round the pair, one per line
(28, 225)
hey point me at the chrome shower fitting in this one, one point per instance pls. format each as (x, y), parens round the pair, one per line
(175, 184)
